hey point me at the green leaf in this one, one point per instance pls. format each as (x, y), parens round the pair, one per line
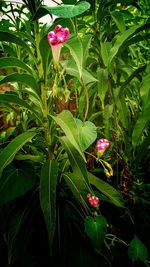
(9, 152)
(143, 118)
(105, 50)
(145, 90)
(16, 182)
(109, 191)
(96, 229)
(72, 69)
(63, 11)
(48, 183)
(120, 40)
(86, 41)
(68, 124)
(44, 46)
(76, 50)
(78, 188)
(102, 75)
(22, 78)
(137, 250)
(123, 113)
(119, 20)
(140, 125)
(11, 37)
(87, 133)
(6, 62)
(76, 161)
(12, 98)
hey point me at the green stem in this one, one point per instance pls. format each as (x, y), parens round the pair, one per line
(87, 99)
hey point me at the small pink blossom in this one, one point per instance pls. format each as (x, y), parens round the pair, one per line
(56, 38)
(93, 200)
(102, 144)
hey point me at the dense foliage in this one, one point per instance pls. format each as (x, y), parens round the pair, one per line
(75, 136)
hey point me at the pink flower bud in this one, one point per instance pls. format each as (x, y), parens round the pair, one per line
(60, 34)
(56, 38)
(94, 201)
(102, 144)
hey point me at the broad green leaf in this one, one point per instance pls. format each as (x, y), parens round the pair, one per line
(48, 183)
(9, 152)
(137, 250)
(109, 191)
(12, 98)
(22, 78)
(123, 113)
(63, 11)
(105, 50)
(120, 40)
(76, 161)
(44, 46)
(119, 20)
(145, 90)
(11, 37)
(76, 50)
(68, 124)
(138, 37)
(96, 229)
(86, 45)
(140, 125)
(6, 62)
(143, 118)
(78, 188)
(72, 69)
(87, 133)
(102, 76)
(16, 182)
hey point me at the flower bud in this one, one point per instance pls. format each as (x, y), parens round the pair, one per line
(93, 200)
(102, 145)
(56, 38)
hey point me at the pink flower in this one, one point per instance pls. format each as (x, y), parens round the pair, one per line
(56, 38)
(102, 144)
(94, 201)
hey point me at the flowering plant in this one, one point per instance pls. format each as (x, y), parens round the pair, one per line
(62, 134)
